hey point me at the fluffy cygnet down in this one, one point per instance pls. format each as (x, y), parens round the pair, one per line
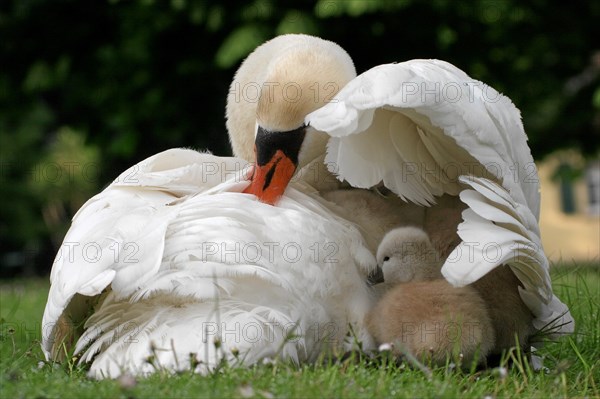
(406, 254)
(422, 314)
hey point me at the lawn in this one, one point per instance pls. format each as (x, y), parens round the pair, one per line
(572, 365)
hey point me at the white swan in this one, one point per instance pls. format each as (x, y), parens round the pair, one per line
(167, 209)
(179, 270)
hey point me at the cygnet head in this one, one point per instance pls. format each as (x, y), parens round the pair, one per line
(275, 88)
(406, 254)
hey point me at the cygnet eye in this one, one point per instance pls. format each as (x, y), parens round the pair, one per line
(386, 258)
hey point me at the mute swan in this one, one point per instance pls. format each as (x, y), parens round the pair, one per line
(421, 311)
(422, 128)
(172, 268)
(296, 107)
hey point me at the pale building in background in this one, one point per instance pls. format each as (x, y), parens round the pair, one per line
(570, 213)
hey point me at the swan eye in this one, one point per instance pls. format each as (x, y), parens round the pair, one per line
(386, 258)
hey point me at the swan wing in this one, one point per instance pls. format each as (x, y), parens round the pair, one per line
(417, 126)
(117, 237)
(497, 230)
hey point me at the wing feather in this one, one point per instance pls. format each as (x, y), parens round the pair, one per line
(496, 230)
(208, 262)
(467, 123)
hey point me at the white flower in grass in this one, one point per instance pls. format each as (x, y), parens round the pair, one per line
(267, 361)
(386, 347)
(501, 372)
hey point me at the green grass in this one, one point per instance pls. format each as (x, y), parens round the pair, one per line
(573, 365)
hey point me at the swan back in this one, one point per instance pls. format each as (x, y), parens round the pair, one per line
(185, 259)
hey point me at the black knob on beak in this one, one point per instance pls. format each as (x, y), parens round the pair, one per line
(375, 277)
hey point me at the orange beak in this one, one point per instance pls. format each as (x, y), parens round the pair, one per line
(276, 162)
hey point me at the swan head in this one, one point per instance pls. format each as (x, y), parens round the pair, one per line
(275, 88)
(406, 254)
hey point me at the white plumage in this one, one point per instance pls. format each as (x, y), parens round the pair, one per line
(186, 260)
(507, 233)
(169, 229)
(419, 125)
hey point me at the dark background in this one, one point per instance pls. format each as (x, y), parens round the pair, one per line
(88, 88)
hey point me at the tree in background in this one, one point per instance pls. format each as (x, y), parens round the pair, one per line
(88, 88)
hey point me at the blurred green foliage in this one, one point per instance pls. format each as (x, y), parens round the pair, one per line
(88, 88)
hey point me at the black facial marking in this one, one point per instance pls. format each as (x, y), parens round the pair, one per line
(270, 174)
(267, 143)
